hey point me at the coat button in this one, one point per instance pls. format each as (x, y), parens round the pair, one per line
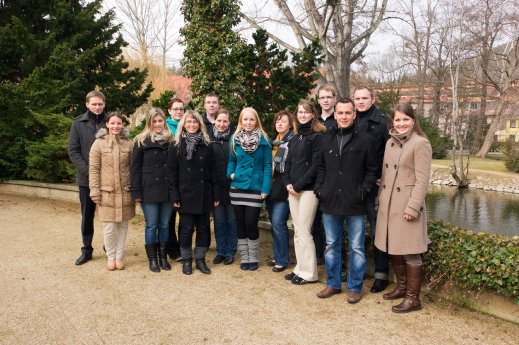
(387, 165)
(394, 166)
(421, 209)
(201, 169)
(201, 157)
(188, 169)
(164, 165)
(340, 172)
(201, 181)
(401, 145)
(398, 189)
(340, 190)
(157, 179)
(384, 186)
(392, 144)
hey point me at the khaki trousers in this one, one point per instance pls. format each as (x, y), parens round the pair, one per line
(114, 234)
(302, 209)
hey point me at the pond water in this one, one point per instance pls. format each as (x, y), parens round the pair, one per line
(476, 210)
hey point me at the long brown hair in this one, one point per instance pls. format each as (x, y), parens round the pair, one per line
(408, 110)
(279, 115)
(309, 106)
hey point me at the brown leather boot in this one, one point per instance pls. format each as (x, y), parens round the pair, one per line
(411, 300)
(398, 263)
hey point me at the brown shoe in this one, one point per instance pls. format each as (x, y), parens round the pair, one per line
(354, 297)
(328, 292)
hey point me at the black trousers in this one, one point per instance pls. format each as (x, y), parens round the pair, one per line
(247, 218)
(381, 258)
(318, 234)
(188, 224)
(88, 209)
(173, 246)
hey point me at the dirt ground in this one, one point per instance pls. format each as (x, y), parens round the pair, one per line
(46, 299)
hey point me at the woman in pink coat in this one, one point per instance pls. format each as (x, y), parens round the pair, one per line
(401, 218)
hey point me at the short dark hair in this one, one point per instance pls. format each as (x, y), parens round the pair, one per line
(346, 100)
(174, 100)
(116, 114)
(279, 115)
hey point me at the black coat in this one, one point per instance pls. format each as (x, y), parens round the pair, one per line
(344, 179)
(149, 172)
(302, 161)
(376, 125)
(82, 135)
(196, 183)
(221, 148)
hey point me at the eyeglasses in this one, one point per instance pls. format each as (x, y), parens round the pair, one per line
(325, 97)
(177, 109)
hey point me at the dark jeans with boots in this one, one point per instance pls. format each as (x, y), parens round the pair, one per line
(151, 253)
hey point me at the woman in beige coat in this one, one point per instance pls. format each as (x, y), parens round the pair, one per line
(401, 218)
(109, 180)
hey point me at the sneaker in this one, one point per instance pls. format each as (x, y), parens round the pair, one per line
(290, 276)
(302, 281)
(253, 266)
(244, 267)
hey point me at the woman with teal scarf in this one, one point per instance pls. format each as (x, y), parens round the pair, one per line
(176, 112)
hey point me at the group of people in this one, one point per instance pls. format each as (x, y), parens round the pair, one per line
(342, 165)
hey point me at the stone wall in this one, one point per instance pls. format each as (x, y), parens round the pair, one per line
(478, 179)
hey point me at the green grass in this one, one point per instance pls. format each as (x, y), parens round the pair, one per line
(476, 163)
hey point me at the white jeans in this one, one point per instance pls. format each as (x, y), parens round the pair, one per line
(114, 234)
(302, 209)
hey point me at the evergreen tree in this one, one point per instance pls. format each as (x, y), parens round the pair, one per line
(213, 51)
(52, 53)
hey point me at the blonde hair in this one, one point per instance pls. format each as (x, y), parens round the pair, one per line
(180, 129)
(309, 106)
(148, 129)
(239, 126)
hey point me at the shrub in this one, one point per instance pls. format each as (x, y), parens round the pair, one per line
(440, 144)
(511, 156)
(473, 261)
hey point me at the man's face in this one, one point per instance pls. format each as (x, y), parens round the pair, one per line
(96, 105)
(211, 105)
(363, 100)
(326, 100)
(344, 115)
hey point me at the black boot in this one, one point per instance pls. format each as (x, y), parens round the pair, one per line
(187, 266)
(151, 252)
(200, 260)
(163, 257)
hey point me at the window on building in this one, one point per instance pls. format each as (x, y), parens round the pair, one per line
(513, 124)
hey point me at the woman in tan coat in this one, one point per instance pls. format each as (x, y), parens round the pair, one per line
(109, 179)
(401, 219)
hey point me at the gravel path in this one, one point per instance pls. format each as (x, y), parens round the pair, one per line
(46, 299)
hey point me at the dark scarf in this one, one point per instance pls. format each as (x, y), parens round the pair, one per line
(221, 135)
(248, 141)
(305, 129)
(192, 141)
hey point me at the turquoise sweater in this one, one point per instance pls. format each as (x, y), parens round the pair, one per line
(172, 124)
(252, 171)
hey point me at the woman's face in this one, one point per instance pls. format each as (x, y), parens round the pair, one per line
(222, 122)
(248, 122)
(303, 115)
(282, 125)
(191, 125)
(158, 124)
(114, 125)
(402, 123)
(176, 111)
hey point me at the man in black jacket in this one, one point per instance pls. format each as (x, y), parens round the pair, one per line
(370, 121)
(346, 175)
(82, 136)
(211, 107)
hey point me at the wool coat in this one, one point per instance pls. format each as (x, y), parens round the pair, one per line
(302, 161)
(195, 183)
(221, 148)
(405, 177)
(346, 174)
(149, 171)
(109, 176)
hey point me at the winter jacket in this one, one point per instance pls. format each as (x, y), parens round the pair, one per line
(149, 172)
(82, 135)
(405, 178)
(302, 161)
(346, 174)
(329, 122)
(109, 171)
(221, 148)
(376, 125)
(252, 171)
(195, 183)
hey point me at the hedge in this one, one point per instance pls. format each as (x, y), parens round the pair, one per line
(473, 261)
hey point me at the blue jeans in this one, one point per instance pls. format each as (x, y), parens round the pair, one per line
(225, 232)
(333, 226)
(156, 216)
(278, 215)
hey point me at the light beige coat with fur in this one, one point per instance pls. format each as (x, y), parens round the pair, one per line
(109, 176)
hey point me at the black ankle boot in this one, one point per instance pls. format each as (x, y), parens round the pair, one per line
(202, 267)
(187, 266)
(163, 257)
(151, 253)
